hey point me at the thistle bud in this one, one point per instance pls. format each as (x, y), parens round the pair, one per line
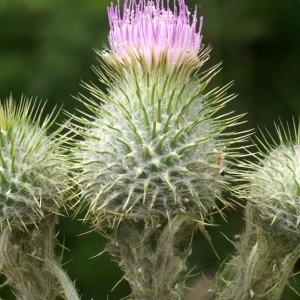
(274, 185)
(33, 173)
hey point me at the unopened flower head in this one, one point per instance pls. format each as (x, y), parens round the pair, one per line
(150, 31)
(33, 173)
(275, 186)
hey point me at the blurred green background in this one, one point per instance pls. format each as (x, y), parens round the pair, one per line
(46, 50)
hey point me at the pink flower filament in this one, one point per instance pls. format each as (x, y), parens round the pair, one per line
(151, 30)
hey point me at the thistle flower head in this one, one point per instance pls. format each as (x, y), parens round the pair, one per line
(33, 173)
(155, 148)
(150, 31)
(274, 184)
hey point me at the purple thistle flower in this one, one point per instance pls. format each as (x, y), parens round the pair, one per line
(149, 30)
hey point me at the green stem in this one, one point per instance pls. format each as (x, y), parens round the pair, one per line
(64, 280)
(153, 257)
(24, 260)
(260, 269)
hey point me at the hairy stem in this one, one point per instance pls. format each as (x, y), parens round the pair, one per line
(153, 256)
(64, 280)
(260, 269)
(23, 261)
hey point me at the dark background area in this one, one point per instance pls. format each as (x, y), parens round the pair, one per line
(46, 50)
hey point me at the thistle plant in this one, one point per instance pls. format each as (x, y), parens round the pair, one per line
(154, 147)
(153, 157)
(34, 186)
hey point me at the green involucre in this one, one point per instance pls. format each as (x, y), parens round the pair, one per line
(33, 172)
(154, 148)
(274, 184)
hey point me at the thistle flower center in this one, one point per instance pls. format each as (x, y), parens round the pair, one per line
(150, 30)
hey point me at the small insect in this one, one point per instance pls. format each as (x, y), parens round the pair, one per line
(220, 161)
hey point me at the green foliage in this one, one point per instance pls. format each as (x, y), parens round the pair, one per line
(47, 47)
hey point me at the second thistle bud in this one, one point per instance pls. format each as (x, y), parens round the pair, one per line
(274, 185)
(33, 173)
